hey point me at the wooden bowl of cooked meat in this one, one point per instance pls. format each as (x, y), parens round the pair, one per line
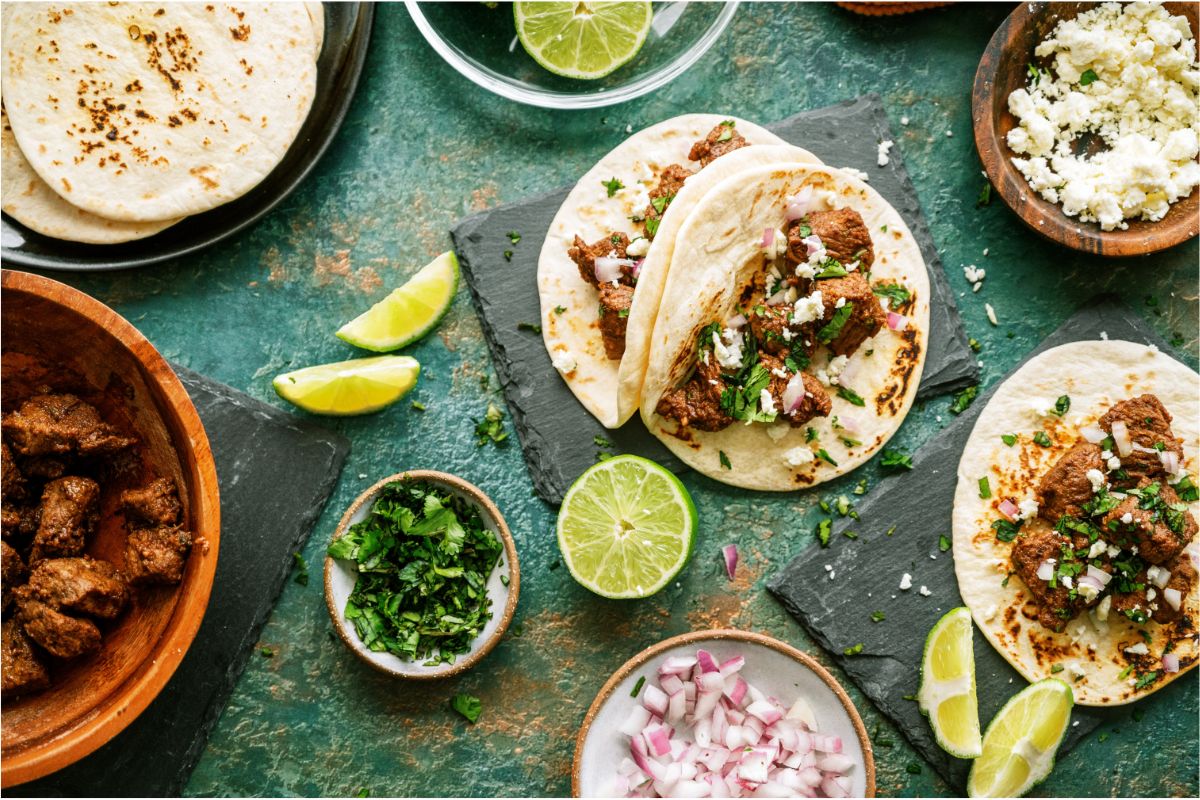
(110, 524)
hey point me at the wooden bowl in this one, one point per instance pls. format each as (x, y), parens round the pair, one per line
(1001, 71)
(778, 669)
(340, 577)
(53, 335)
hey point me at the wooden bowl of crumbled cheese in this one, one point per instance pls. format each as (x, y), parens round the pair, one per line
(1086, 123)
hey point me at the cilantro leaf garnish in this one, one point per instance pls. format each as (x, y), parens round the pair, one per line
(963, 399)
(1042, 439)
(724, 460)
(850, 396)
(821, 454)
(832, 268)
(1089, 76)
(877, 616)
(612, 185)
(896, 294)
(470, 707)
(895, 459)
(1009, 438)
(532, 327)
(1006, 531)
(853, 650)
(985, 489)
(301, 569)
(513, 237)
(985, 196)
(823, 529)
(1062, 405)
(491, 427)
(834, 328)
(652, 226)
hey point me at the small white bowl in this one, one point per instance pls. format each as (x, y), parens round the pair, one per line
(777, 669)
(341, 575)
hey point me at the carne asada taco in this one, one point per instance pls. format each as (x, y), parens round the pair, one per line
(595, 274)
(792, 330)
(1075, 519)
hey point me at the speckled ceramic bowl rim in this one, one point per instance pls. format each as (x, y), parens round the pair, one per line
(729, 635)
(489, 508)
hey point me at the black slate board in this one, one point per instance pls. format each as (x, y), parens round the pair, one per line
(267, 513)
(556, 432)
(837, 612)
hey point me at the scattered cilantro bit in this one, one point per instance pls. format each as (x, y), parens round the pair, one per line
(1062, 405)
(861, 487)
(913, 768)
(883, 228)
(840, 317)
(418, 405)
(985, 489)
(508, 254)
(301, 569)
(1009, 439)
(532, 327)
(963, 399)
(883, 741)
(470, 707)
(1145, 679)
(1042, 439)
(491, 427)
(504, 580)
(895, 459)
(943, 543)
(1089, 76)
(660, 203)
(821, 454)
(423, 557)
(853, 650)
(912, 697)
(843, 505)
(1123, 674)
(974, 344)
(1103, 737)
(637, 687)
(600, 441)
(513, 237)
(362, 792)
(1057, 668)
(891, 530)
(560, 309)
(1177, 339)
(850, 534)
(267, 652)
(652, 226)
(612, 185)
(832, 268)
(877, 616)
(1035, 74)
(985, 196)
(724, 460)
(1186, 489)
(850, 396)
(823, 529)
(896, 294)
(810, 435)
(1005, 531)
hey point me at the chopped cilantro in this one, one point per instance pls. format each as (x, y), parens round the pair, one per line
(943, 543)
(724, 460)
(1005, 531)
(891, 530)
(895, 459)
(842, 504)
(362, 792)
(470, 707)
(1089, 76)
(832, 330)
(883, 228)
(601, 441)
(532, 327)
(896, 294)
(810, 435)
(267, 652)
(417, 405)
(1186, 489)
(832, 268)
(660, 203)
(1009, 439)
(560, 309)
(974, 344)
(1035, 74)
(1145, 679)
(301, 569)
(652, 226)
(491, 427)
(513, 237)
(1103, 737)
(913, 768)
(985, 489)
(850, 396)
(1042, 439)
(612, 185)
(1062, 405)
(821, 454)
(861, 487)
(824, 527)
(963, 399)
(985, 195)
(1056, 668)
(508, 254)
(853, 650)
(877, 616)
(850, 534)
(637, 687)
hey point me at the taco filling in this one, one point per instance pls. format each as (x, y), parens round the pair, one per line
(1120, 522)
(612, 263)
(806, 312)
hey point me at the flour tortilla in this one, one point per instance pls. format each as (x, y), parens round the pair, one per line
(236, 85)
(590, 213)
(717, 251)
(316, 14)
(1095, 375)
(26, 198)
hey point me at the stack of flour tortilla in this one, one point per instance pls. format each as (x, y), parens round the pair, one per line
(121, 119)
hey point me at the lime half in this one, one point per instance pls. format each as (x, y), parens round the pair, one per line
(626, 527)
(947, 694)
(582, 40)
(1020, 743)
(349, 387)
(408, 313)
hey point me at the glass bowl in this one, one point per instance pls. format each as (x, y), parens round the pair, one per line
(481, 44)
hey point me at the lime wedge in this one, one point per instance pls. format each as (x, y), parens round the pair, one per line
(626, 527)
(947, 693)
(408, 313)
(1020, 743)
(349, 387)
(582, 40)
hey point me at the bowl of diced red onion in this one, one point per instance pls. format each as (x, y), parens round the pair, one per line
(722, 713)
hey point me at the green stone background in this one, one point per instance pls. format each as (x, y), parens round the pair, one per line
(421, 148)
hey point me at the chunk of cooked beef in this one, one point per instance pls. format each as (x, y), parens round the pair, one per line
(157, 555)
(12, 482)
(44, 468)
(1034, 545)
(772, 328)
(60, 424)
(615, 302)
(1134, 604)
(720, 140)
(1149, 425)
(612, 246)
(69, 510)
(842, 232)
(57, 633)
(669, 183)
(12, 573)
(1181, 580)
(20, 670)
(697, 404)
(815, 403)
(154, 504)
(19, 524)
(1152, 520)
(80, 586)
(864, 320)
(1065, 487)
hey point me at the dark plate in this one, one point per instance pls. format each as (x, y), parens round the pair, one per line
(347, 35)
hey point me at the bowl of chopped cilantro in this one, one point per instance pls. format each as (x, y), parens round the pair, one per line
(421, 576)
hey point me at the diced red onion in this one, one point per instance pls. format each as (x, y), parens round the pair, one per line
(1158, 576)
(737, 321)
(675, 706)
(804, 742)
(1093, 433)
(639, 718)
(1099, 575)
(1170, 461)
(731, 665)
(706, 661)
(734, 738)
(811, 776)
(1173, 597)
(778, 298)
(735, 689)
(1088, 580)
(896, 322)
(849, 423)
(1120, 434)
(730, 552)
(1170, 662)
(1009, 509)
(1045, 570)
(641, 756)
(658, 739)
(767, 712)
(655, 699)
(802, 712)
(671, 684)
(637, 267)
(796, 205)
(838, 763)
(793, 393)
(827, 744)
(768, 239)
(609, 269)
(677, 665)
(691, 789)
(813, 245)
(835, 786)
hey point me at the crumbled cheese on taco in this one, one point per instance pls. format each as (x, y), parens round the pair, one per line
(799, 456)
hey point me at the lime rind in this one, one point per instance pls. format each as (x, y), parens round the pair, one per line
(1037, 756)
(942, 697)
(632, 494)
(587, 47)
(409, 312)
(348, 388)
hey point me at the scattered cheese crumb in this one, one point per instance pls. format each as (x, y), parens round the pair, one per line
(1104, 335)
(906, 582)
(884, 146)
(924, 592)
(904, 120)
(563, 361)
(856, 173)
(991, 313)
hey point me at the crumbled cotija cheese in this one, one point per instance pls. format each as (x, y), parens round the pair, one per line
(1141, 93)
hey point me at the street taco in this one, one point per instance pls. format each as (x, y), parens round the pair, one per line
(599, 279)
(1074, 531)
(792, 330)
